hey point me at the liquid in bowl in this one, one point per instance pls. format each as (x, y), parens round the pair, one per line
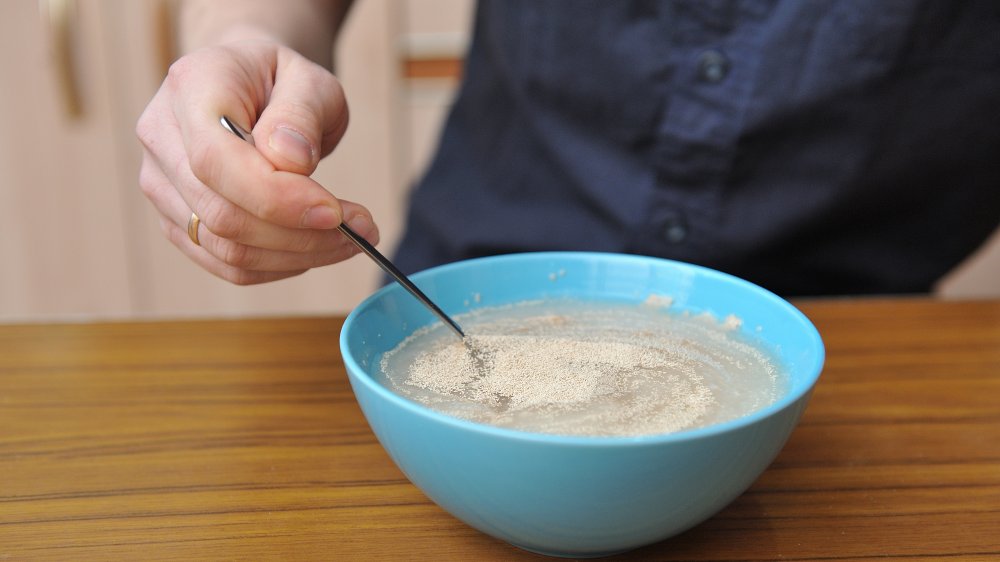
(587, 368)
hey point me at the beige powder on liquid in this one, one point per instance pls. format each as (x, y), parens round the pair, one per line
(578, 368)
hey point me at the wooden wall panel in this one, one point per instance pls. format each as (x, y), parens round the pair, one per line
(62, 238)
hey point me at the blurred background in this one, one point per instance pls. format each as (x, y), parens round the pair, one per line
(78, 239)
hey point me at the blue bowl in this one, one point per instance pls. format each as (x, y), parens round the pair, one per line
(578, 496)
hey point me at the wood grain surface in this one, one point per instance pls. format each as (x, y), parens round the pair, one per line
(241, 440)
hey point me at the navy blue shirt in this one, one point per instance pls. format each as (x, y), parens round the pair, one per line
(813, 147)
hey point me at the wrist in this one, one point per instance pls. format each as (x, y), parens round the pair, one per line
(306, 26)
(199, 38)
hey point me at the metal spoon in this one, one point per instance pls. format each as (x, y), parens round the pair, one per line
(370, 250)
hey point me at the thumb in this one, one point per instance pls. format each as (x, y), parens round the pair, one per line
(305, 117)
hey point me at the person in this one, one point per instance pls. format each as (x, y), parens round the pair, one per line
(820, 147)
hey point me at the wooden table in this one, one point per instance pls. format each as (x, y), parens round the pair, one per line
(227, 440)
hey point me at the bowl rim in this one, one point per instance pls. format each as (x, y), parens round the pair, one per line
(788, 399)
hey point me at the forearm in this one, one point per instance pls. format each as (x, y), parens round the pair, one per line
(308, 26)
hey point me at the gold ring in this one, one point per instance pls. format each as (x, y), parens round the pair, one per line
(193, 223)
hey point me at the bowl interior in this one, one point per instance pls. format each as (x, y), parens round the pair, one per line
(387, 317)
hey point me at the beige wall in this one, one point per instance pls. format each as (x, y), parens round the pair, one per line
(79, 240)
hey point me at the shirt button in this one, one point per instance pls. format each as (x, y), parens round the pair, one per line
(713, 66)
(675, 229)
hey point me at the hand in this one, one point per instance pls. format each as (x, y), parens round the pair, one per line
(262, 218)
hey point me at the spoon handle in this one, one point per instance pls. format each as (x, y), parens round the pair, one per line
(368, 249)
(399, 277)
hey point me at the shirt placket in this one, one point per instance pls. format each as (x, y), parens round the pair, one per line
(696, 138)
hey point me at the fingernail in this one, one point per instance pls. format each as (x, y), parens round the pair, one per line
(321, 216)
(364, 227)
(292, 145)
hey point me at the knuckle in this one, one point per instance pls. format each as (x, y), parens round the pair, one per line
(338, 105)
(203, 161)
(298, 112)
(337, 128)
(241, 277)
(175, 235)
(147, 184)
(336, 256)
(239, 255)
(343, 119)
(145, 130)
(231, 274)
(339, 98)
(270, 209)
(166, 228)
(303, 242)
(179, 71)
(326, 80)
(222, 218)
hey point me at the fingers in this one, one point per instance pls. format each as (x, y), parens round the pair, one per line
(179, 238)
(305, 118)
(238, 172)
(261, 218)
(218, 214)
(241, 263)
